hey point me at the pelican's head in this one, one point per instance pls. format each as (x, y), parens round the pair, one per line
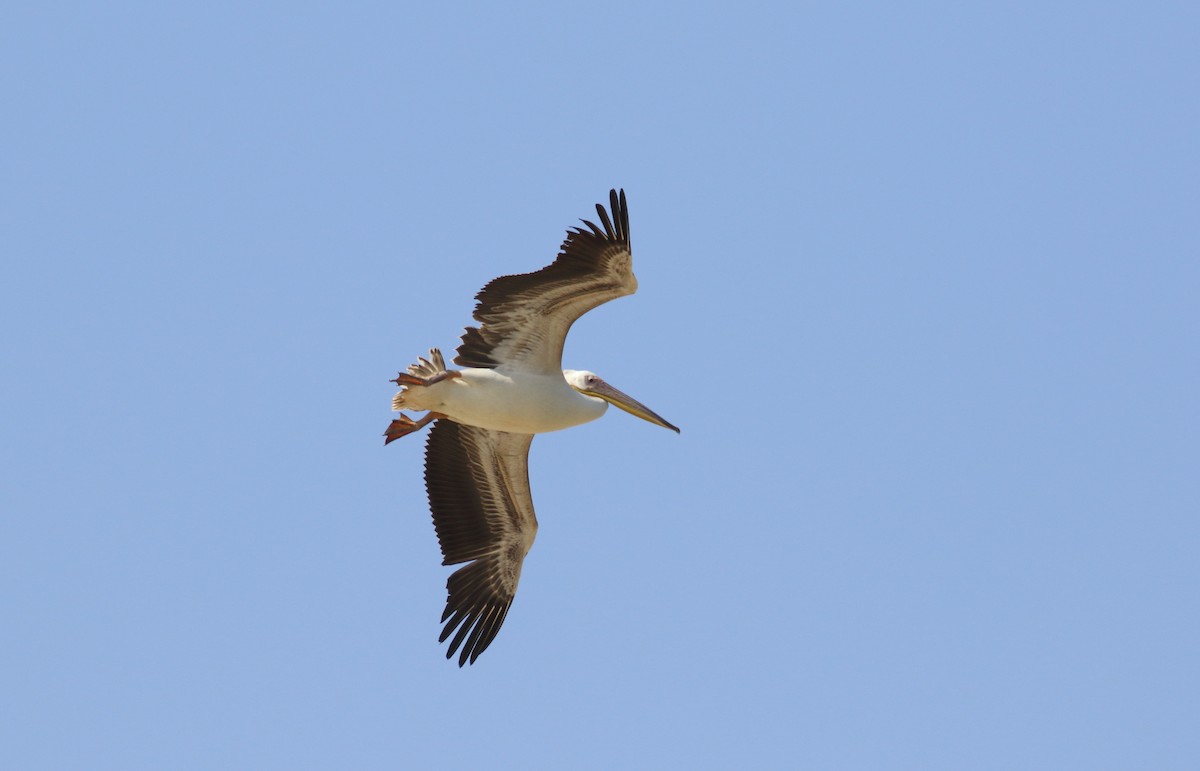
(590, 384)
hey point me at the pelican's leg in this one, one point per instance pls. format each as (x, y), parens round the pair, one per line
(404, 425)
(405, 379)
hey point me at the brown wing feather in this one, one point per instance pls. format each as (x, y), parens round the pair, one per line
(525, 318)
(478, 485)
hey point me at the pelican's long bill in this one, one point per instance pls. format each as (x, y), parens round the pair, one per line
(594, 386)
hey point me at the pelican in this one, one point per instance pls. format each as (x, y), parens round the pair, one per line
(511, 386)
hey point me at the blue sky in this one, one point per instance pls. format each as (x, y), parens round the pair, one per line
(918, 283)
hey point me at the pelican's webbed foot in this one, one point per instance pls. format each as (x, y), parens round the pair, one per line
(404, 425)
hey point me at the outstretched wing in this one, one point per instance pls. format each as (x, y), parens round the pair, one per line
(525, 319)
(478, 485)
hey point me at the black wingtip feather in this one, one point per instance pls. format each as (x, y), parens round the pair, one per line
(623, 218)
(473, 614)
(608, 226)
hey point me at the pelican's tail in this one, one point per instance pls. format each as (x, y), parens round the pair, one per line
(430, 368)
(425, 372)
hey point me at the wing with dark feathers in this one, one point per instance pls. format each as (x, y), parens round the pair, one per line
(478, 485)
(525, 319)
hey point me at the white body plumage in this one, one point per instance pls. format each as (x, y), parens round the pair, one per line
(504, 400)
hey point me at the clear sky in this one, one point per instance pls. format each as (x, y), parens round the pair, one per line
(919, 282)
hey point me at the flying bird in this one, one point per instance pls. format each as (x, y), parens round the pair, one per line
(511, 386)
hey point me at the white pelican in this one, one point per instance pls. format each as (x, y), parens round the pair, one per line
(511, 387)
